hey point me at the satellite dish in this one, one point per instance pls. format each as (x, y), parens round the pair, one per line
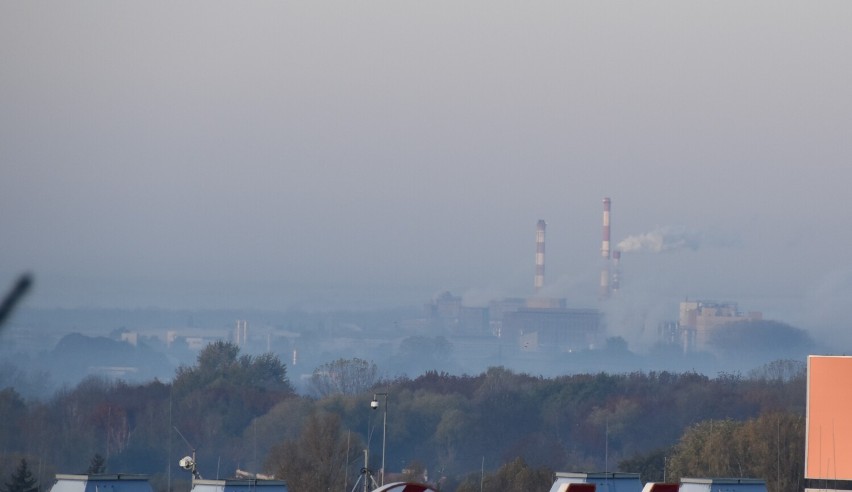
(187, 463)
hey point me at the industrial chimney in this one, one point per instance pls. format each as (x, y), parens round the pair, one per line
(605, 271)
(539, 255)
(605, 244)
(241, 332)
(616, 270)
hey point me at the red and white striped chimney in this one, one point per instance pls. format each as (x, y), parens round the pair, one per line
(605, 244)
(539, 255)
(605, 270)
(616, 270)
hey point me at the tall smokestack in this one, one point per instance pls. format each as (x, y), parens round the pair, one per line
(605, 244)
(539, 255)
(241, 332)
(616, 270)
(605, 271)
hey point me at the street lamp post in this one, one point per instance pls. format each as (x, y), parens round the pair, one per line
(375, 405)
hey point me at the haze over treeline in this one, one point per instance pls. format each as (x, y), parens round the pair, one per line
(238, 411)
(42, 350)
(321, 170)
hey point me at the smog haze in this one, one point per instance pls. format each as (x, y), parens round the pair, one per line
(334, 155)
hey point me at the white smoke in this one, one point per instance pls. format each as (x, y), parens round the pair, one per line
(661, 239)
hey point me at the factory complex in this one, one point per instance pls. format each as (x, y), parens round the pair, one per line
(542, 324)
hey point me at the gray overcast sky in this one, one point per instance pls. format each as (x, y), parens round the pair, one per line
(276, 154)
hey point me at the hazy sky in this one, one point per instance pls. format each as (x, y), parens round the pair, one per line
(279, 154)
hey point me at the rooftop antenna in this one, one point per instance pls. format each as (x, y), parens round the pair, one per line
(188, 462)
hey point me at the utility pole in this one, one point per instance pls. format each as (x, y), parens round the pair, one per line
(375, 405)
(366, 470)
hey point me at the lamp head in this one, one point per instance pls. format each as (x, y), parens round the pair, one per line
(187, 463)
(374, 404)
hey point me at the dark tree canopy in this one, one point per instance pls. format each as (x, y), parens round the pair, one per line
(239, 411)
(97, 465)
(13, 409)
(21, 480)
(216, 400)
(219, 364)
(514, 476)
(761, 336)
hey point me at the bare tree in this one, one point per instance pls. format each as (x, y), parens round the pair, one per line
(343, 377)
(318, 460)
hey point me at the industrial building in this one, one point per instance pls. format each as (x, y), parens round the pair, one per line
(447, 315)
(554, 329)
(535, 324)
(699, 319)
(540, 323)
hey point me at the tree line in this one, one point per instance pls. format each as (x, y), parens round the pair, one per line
(498, 430)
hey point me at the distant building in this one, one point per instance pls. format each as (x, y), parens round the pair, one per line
(194, 338)
(100, 483)
(443, 312)
(545, 303)
(698, 320)
(114, 372)
(722, 484)
(537, 323)
(669, 333)
(446, 313)
(130, 337)
(553, 329)
(603, 481)
(498, 309)
(239, 485)
(473, 321)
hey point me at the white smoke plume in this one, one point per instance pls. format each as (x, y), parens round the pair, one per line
(661, 239)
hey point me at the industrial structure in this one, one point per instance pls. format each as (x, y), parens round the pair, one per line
(540, 323)
(554, 329)
(534, 324)
(539, 255)
(616, 272)
(605, 255)
(610, 268)
(241, 332)
(447, 314)
(699, 319)
(537, 323)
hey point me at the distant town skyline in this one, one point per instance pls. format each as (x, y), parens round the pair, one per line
(277, 156)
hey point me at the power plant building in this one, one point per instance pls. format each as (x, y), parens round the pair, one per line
(534, 324)
(553, 329)
(497, 310)
(699, 319)
(447, 314)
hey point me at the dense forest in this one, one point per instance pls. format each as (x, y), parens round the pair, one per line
(497, 430)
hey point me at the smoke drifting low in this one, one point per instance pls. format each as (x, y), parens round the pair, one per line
(660, 240)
